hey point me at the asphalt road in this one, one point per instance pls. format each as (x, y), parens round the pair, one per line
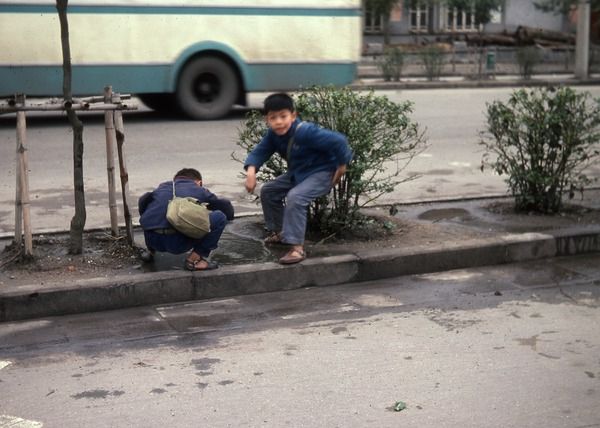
(157, 146)
(506, 346)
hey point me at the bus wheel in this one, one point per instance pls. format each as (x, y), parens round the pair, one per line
(207, 88)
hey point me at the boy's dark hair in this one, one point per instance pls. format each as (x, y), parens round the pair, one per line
(192, 173)
(277, 102)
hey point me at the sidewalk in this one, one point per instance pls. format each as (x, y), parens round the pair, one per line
(427, 237)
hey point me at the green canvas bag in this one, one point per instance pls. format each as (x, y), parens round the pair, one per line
(188, 216)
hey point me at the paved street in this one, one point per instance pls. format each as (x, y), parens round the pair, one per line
(157, 146)
(507, 346)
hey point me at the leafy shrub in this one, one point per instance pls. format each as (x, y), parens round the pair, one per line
(391, 64)
(527, 58)
(544, 139)
(382, 136)
(433, 61)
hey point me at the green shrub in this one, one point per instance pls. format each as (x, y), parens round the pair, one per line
(381, 134)
(544, 139)
(527, 58)
(433, 61)
(391, 63)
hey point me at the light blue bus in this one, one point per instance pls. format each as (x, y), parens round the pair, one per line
(199, 56)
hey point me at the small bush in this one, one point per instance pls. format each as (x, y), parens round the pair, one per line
(381, 134)
(391, 63)
(433, 61)
(544, 139)
(528, 57)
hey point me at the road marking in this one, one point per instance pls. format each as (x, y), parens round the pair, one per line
(7, 421)
(4, 364)
(460, 164)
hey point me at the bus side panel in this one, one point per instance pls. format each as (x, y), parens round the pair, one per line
(279, 77)
(141, 48)
(86, 80)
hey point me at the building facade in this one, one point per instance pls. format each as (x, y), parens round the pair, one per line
(439, 19)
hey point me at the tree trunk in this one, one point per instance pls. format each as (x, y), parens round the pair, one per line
(385, 24)
(78, 220)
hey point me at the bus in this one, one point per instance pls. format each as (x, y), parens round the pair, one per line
(199, 56)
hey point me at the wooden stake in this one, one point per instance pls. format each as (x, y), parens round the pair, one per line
(18, 186)
(120, 131)
(23, 183)
(110, 163)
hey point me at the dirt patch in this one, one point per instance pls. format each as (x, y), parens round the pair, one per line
(103, 255)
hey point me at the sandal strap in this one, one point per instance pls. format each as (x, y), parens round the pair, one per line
(192, 265)
(273, 238)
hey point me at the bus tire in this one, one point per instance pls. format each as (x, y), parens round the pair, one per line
(207, 88)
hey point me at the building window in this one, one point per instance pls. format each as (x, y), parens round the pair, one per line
(373, 22)
(419, 18)
(461, 20)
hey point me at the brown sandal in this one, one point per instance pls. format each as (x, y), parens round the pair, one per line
(194, 265)
(274, 238)
(292, 256)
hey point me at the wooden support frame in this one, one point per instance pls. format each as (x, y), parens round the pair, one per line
(109, 129)
(22, 201)
(110, 103)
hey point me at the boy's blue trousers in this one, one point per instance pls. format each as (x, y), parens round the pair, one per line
(177, 243)
(285, 203)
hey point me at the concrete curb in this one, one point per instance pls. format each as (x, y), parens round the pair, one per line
(168, 287)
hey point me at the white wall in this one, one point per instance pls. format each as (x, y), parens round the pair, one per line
(523, 12)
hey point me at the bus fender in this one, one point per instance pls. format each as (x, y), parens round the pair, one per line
(208, 47)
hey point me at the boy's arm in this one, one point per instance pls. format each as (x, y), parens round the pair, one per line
(341, 170)
(250, 178)
(259, 155)
(144, 201)
(214, 202)
(329, 141)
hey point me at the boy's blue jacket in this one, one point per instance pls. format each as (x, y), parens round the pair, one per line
(153, 205)
(314, 150)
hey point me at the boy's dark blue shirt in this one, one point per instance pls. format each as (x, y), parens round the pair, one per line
(153, 205)
(315, 149)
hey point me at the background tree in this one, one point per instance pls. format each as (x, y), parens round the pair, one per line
(78, 220)
(383, 8)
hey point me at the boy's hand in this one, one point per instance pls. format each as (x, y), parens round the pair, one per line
(250, 179)
(338, 174)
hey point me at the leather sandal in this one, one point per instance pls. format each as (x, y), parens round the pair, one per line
(292, 256)
(195, 265)
(274, 238)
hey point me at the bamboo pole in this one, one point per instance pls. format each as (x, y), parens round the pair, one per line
(23, 183)
(18, 185)
(8, 108)
(124, 174)
(110, 162)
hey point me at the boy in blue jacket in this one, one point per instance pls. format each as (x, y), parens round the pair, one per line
(160, 235)
(316, 158)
